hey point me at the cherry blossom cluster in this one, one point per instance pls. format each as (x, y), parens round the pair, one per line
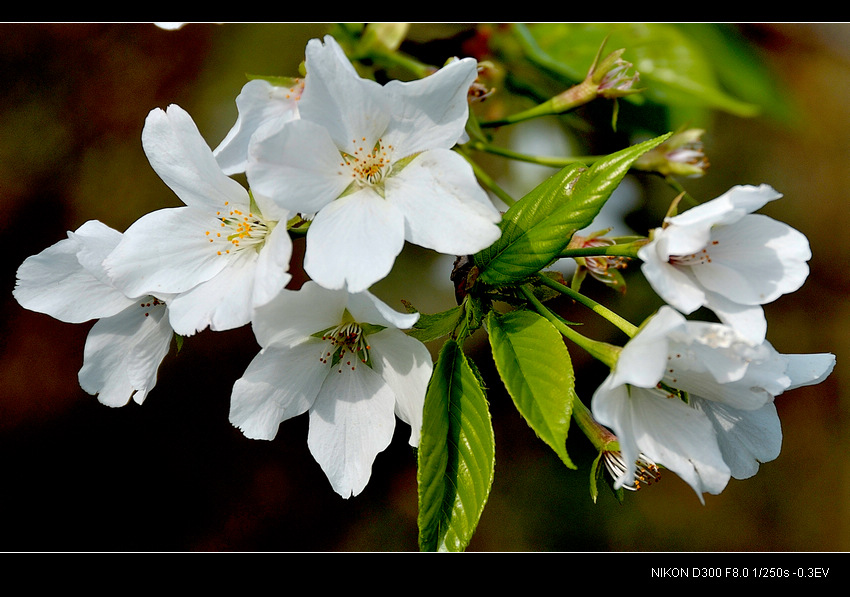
(360, 168)
(696, 396)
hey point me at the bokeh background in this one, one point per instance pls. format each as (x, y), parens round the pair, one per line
(174, 475)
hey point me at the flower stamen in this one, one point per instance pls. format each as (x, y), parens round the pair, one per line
(346, 339)
(240, 231)
(699, 258)
(150, 304)
(369, 169)
(646, 474)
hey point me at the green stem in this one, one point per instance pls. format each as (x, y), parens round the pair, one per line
(554, 162)
(607, 353)
(413, 66)
(600, 436)
(488, 181)
(544, 109)
(627, 327)
(564, 102)
(677, 186)
(623, 250)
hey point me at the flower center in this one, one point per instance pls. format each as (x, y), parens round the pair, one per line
(149, 304)
(237, 231)
(699, 258)
(369, 168)
(346, 346)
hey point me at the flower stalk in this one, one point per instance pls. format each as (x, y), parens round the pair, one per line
(625, 326)
(607, 78)
(629, 250)
(602, 351)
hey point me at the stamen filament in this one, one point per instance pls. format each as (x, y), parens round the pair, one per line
(241, 231)
(346, 338)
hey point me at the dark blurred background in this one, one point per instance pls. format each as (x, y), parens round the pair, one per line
(174, 475)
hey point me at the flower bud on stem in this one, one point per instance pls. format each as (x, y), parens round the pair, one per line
(607, 78)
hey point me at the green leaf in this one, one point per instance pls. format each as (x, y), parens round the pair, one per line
(517, 251)
(433, 326)
(740, 69)
(456, 454)
(537, 371)
(537, 228)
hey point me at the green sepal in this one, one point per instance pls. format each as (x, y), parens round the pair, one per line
(598, 473)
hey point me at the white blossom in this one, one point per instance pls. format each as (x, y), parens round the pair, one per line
(125, 347)
(343, 359)
(221, 255)
(721, 256)
(260, 102)
(372, 166)
(697, 398)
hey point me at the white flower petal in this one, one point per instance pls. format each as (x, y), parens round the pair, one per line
(95, 241)
(353, 242)
(444, 207)
(123, 353)
(643, 359)
(272, 271)
(258, 102)
(667, 431)
(748, 320)
(808, 369)
(719, 350)
(166, 251)
(676, 287)
(431, 112)
(281, 382)
(755, 260)
(295, 315)
(184, 161)
(365, 307)
(746, 437)
(351, 421)
(725, 209)
(747, 199)
(406, 365)
(337, 98)
(223, 302)
(297, 166)
(55, 283)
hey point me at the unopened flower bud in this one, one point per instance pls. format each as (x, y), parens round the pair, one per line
(681, 155)
(612, 76)
(386, 36)
(603, 268)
